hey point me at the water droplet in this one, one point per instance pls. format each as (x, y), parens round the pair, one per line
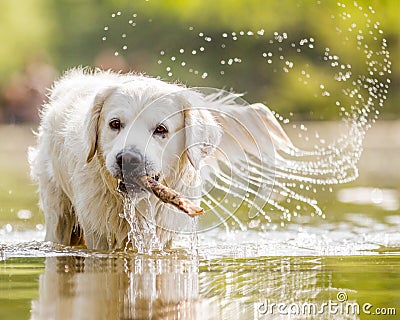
(24, 214)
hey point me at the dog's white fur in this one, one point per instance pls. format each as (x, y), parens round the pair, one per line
(75, 158)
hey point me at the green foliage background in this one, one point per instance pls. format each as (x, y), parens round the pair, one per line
(67, 33)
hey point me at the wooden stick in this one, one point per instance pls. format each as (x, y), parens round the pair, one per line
(168, 195)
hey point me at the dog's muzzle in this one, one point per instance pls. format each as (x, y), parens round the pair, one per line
(132, 166)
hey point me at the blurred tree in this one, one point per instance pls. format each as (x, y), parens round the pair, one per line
(129, 35)
(26, 32)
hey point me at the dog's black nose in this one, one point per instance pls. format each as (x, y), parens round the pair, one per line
(118, 159)
(129, 159)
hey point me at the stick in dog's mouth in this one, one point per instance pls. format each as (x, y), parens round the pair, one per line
(167, 195)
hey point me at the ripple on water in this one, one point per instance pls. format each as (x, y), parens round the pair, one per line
(333, 239)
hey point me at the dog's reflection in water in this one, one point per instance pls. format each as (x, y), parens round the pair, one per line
(115, 288)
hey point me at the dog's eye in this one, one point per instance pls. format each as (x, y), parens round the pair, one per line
(115, 124)
(161, 130)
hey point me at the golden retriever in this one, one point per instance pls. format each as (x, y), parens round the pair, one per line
(101, 130)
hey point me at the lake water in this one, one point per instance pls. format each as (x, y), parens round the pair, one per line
(346, 266)
(330, 272)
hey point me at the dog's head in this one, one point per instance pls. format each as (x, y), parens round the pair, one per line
(149, 127)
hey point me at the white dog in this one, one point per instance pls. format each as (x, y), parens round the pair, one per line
(99, 128)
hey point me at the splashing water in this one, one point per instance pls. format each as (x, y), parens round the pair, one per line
(142, 234)
(248, 186)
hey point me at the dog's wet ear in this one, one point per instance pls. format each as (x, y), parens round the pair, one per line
(92, 121)
(202, 134)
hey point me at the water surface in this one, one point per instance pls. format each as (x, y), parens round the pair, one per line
(336, 270)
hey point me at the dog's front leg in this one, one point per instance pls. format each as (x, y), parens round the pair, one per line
(96, 241)
(58, 212)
